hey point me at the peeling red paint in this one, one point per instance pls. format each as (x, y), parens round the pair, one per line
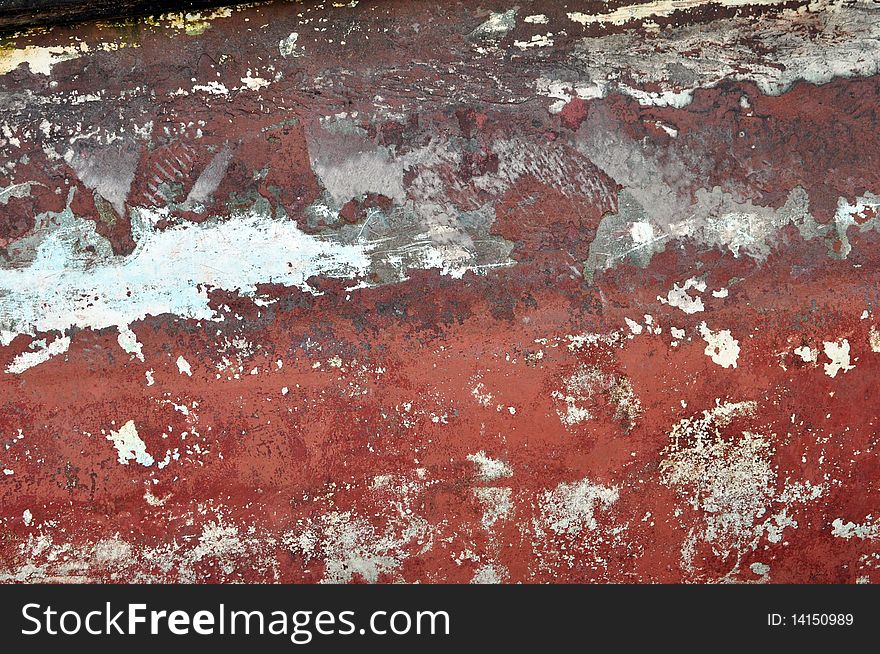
(337, 435)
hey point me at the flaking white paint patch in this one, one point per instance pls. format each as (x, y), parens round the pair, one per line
(489, 574)
(209, 180)
(169, 272)
(641, 232)
(489, 469)
(481, 395)
(586, 385)
(40, 59)
(107, 169)
(674, 99)
(838, 355)
(351, 544)
(571, 508)
(212, 87)
(27, 360)
(864, 531)
(874, 339)
(671, 131)
(254, 83)
(183, 366)
(678, 296)
(288, 47)
(129, 446)
(20, 190)
(495, 502)
(128, 341)
(731, 482)
(832, 40)
(564, 92)
(760, 569)
(721, 346)
(193, 23)
(634, 327)
(451, 259)
(807, 354)
(537, 41)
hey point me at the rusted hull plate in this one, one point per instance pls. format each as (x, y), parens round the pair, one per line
(391, 291)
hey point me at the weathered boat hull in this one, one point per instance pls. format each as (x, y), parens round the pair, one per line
(423, 292)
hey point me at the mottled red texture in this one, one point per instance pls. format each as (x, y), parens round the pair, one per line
(264, 453)
(391, 381)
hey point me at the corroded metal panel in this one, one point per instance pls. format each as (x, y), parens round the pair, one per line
(439, 292)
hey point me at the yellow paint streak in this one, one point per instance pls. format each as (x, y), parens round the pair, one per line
(195, 23)
(41, 59)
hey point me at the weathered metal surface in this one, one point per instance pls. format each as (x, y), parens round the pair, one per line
(29, 13)
(393, 291)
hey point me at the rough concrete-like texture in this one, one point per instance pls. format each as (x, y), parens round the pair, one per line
(393, 291)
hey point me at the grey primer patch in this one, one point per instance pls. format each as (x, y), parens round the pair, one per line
(614, 244)
(423, 228)
(496, 26)
(654, 208)
(838, 40)
(108, 170)
(209, 180)
(718, 220)
(21, 190)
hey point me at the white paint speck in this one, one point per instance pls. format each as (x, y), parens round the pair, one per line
(678, 296)
(288, 47)
(807, 354)
(128, 341)
(634, 327)
(183, 366)
(721, 346)
(129, 446)
(838, 355)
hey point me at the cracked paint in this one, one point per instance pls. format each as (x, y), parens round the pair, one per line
(396, 292)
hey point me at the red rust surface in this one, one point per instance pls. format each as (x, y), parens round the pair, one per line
(596, 333)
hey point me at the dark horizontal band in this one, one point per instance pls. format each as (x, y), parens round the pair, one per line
(16, 14)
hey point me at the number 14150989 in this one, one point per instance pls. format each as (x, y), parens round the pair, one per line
(810, 620)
